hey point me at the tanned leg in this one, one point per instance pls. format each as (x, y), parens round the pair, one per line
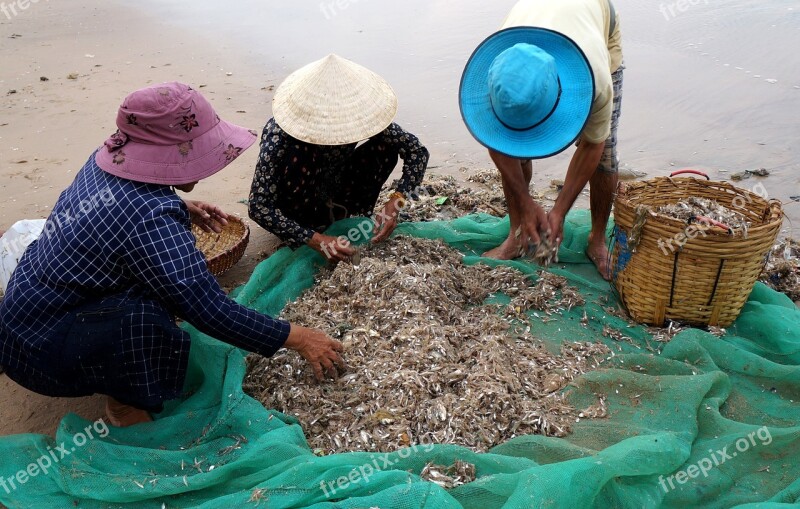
(601, 198)
(527, 171)
(509, 249)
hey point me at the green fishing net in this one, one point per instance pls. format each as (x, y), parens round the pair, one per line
(701, 422)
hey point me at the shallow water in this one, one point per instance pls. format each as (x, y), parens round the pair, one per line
(696, 89)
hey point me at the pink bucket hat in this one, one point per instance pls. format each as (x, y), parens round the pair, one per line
(169, 134)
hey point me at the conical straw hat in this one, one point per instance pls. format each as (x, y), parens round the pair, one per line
(334, 101)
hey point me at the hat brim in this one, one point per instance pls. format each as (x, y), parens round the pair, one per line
(334, 101)
(561, 129)
(175, 165)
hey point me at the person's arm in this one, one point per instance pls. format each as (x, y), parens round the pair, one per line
(413, 153)
(415, 161)
(523, 209)
(587, 156)
(267, 182)
(581, 168)
(162, 255)
(262, 207)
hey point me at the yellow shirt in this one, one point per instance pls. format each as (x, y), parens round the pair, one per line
(586, 22)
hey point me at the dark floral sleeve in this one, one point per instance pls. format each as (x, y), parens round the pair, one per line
(415, 156)
(267, 183)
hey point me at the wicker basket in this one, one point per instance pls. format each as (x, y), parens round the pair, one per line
(701, 274)
(223, 250)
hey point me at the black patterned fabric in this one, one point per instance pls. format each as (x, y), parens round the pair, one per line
(300, 188)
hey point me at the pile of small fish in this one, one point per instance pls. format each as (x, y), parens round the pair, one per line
(429, 359)
(441, 198)
(782, 272)
(693, 208)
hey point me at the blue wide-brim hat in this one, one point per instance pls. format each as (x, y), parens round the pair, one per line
(558, 130)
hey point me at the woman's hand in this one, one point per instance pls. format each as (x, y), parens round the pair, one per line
(335, 249)
(319, 350)
(386, 220)
(208, 217)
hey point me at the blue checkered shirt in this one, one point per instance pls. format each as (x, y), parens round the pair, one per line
(105, 236)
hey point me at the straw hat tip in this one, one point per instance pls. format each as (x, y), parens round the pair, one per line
(334, 101)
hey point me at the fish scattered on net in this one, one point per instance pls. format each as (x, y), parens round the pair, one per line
(441, 198)
(782, 272)
(458, 474)
(690, 208)
(430, 361)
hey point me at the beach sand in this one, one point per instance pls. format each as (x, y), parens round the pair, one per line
(699, 92)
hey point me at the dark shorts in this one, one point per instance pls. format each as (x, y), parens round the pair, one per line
(124, 346)
(609, 162)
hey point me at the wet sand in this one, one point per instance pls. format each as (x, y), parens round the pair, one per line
(696, 94)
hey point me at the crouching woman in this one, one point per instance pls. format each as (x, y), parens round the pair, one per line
(91, 307)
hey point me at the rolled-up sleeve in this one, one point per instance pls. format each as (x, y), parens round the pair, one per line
(414, 155)
(163, 256)
(267, 183)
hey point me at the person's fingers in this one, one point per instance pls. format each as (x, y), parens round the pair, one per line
(380, 234)
(328, 366)
(318, 374)
(339, 362)
(221, 219)
(341, 257)
(336, 345)
(533, 237)
(220, 214)
(386, 230)
(347, 251)
(380, 237)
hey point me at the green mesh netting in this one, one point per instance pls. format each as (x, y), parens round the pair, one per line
(671, 414)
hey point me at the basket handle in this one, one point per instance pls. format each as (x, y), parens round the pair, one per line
(712, 222)
(689, 170)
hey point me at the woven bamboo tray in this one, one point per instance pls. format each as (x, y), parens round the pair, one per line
(223, 250)
(700, 273)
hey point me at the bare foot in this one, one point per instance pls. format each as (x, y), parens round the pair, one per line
(598, 253)
(122, 416)
(508, 250)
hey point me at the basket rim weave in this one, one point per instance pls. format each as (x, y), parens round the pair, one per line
(626, 190)
(225, 257)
